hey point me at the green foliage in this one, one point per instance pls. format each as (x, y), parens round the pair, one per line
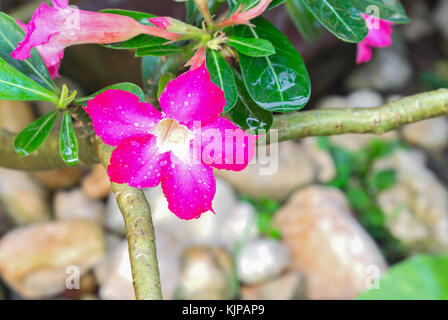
(125, 86)
(419, 278)
(247, 114)
(356, 178)
(32, 137)
(391, 10)
(304, 20)
(163, 81)
(279, 82)
(252, 47)
(265, 209)
(222, 75)
(158, 50)
(68, 143)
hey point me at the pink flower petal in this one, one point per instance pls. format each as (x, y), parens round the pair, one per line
(118, 115)
(225, 146)
(136, 162)
(189, 188)
(192, 97)
(62, 4)
(364, 53)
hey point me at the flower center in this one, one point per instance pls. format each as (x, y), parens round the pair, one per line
(174, 137)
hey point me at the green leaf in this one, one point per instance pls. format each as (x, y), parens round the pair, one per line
(391, 10)
(419, 278)
(247, 114)
(222, 75)
(68, 144)
(340, 18)
(125, 86)
(148, 65)
(163, 81)
(382, 180)
(139, 41)
(157, 50)
(251, 46)
(304, 20)
(14, 85)
(279, 82)
(32, 137)
(10, 35)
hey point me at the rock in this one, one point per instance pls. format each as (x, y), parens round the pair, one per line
(206, 274)
(25, 201)
(422, 23)
(74, 204)
(115, 277)
(389, 70)
(327, 244)
(204, 230)
(96, 184)
(5, 221)
(292, 169)
(431, 134)
(364, 98)
(35, 260)
(416, 207)
(290, 286)
(15, 115)
(59, 178)
(325, 168)
(330, 102)
(114, 219)
(260, 260)
(441, 18)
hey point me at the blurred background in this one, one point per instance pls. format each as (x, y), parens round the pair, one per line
(338, 213)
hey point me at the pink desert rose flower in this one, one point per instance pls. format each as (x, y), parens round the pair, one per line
(380, 35)
(178, 147)
(52, 29)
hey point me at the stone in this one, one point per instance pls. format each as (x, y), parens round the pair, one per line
(260, 260)
(292, 170)
(422, 22)
(15, 115)
(96, 184)
(114, 219)
(114, 273)
(326, 243)
(364, 98)
(389, 70)
(25, 201)
(204, 230)
(37, 260)
(325, 169)
(431, 134)
(59, 178)
(74, 204)
(206, 274)
(5, 221)
(290, 286)
(441, 18)
(416, 207)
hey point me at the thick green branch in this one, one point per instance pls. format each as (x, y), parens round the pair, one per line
(139, 232)
(326, 122)
(292, 126)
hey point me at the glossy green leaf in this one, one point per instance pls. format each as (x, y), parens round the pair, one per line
(157, 50)
(279, 82)
(14, 85)
(139, 41)
(340, 18)
(125, 86)
(68, 144)
(247, 114)
(303, 19)
(251, 46)
(222, 75)
(382, 180)
(10, 35)
(391, 10)
(32, 137)
(419, 278)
